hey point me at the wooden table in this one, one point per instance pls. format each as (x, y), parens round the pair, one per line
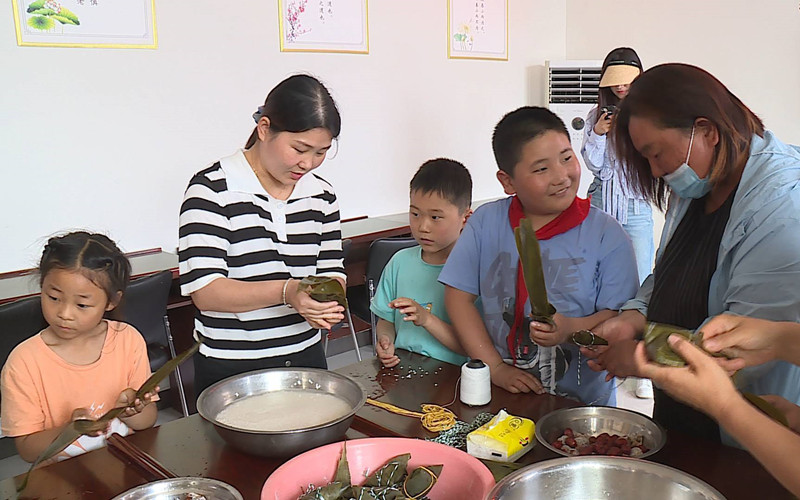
(734, 472)
(191, 447)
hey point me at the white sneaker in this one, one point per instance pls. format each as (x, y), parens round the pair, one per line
(644, 389)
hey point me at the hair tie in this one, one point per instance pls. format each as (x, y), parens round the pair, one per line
(258, 114)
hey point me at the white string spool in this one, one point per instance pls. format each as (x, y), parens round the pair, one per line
(476, 384)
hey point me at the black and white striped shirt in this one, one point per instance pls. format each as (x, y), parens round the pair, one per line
(231, 227)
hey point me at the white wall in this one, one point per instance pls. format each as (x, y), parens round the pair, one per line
(106, 139)
(753, 47)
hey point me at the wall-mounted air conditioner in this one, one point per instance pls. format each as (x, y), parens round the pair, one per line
(571, 93)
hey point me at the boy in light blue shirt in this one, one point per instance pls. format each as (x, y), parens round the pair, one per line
(409, 301)
(588, 264)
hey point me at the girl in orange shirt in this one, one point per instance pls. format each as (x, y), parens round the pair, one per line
(82, 364)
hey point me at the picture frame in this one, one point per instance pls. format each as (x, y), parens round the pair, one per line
(324, 26)
(86, 23)
(477, 29)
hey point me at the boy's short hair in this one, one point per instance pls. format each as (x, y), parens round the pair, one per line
(518, 127)
(447, 178)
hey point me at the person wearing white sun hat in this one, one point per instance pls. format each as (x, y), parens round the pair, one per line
(609, 190)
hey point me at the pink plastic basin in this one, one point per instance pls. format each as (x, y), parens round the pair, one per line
(463, 476)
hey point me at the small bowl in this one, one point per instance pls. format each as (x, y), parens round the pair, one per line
(462, 477)
(180, 488)
(595, 420)
(620, 478)
(280, 444)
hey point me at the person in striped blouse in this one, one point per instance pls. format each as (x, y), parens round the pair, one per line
(251, 226)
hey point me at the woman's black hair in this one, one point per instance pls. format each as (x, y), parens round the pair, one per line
(95, 256)
(605, 95)
(297, 104)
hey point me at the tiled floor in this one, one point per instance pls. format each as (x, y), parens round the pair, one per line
(626, 398)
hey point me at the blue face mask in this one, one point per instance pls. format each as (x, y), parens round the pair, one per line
(684, 181)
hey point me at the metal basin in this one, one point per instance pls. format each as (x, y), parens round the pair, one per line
(595, 420)
(180, 488)
(594, 478)
(280, 444)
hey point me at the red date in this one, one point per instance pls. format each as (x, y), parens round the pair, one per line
(576, 443)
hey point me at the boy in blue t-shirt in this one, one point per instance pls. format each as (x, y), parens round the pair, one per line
(409, 301)
(588, 262)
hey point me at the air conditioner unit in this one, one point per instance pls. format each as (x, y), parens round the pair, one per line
(571, 93)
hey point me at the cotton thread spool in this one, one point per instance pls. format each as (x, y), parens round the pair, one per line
(476, 384)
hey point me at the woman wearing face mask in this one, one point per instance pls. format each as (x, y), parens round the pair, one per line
(732, 232)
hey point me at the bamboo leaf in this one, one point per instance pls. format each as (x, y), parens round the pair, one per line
(343, 469)
(533, 273)
(324, 289)
(767, 408)
(659, 350)
(500, 469)
(64, 439)
(587, 338)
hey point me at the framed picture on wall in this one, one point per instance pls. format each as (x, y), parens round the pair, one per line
(477, 29)
(324, 26)
(86, 23)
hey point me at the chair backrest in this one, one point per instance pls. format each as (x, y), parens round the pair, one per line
(18, 321)
(347, 243)
(380, 252)
(144, 307)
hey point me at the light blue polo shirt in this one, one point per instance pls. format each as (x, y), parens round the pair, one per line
(589, 268)
(407, 275)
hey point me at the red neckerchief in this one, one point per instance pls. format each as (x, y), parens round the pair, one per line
(566, 220)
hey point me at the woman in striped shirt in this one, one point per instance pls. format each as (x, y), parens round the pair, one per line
(251, 226)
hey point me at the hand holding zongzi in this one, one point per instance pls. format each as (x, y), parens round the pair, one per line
(548, 335)
(138, 412)
(751, 341)
(617, 358)
(320, 300)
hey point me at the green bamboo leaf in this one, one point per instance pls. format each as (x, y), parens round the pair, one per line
(655, 342)
(587, 338)
(391, 473)
(64, 439)
(324, 289)
(500, 469)
(421, 481)
(659, 350)
(767, 408)
(533, 272)
(343, 469)
(165, 370)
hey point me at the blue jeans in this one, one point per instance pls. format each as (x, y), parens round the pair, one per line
(639, 227)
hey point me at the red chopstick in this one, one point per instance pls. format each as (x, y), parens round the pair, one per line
(132, 454)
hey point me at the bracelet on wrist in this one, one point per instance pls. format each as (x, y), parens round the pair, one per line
(283, 294)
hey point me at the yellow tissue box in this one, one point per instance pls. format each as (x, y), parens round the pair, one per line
(504, 438)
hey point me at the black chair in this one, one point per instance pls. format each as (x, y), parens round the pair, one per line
(346, 243)
(145, 307)
(360, 297)
(19, 320)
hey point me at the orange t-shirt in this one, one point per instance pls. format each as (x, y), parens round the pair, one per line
(40, 390)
